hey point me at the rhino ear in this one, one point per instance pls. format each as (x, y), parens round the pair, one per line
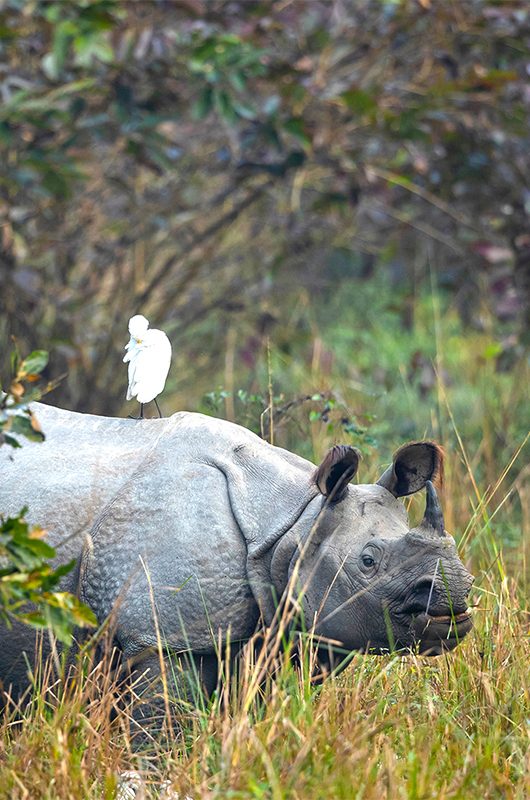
(413, 465)
(336, 470)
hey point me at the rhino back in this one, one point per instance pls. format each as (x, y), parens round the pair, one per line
(66, 480)
(165, 513)
(86, 460)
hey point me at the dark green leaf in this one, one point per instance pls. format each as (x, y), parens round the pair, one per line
(22, 425)
(296, 127)
(204, 104)
(224, 106)
(10, 440)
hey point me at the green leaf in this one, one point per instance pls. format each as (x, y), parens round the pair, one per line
(296, 127)
(7, 33)
(358, 101)
(14, 359)
(205, 51)
(224, 106)
(492, 350)
(237, 79)
(11, 441)
(27, 577)
(204, 104)
(64, 569)
(34, 363)
(23, 426)
(38, 548)
(63, 35)
(25, 102)
(89, 48)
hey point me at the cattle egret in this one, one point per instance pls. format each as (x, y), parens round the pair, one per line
(149, 355)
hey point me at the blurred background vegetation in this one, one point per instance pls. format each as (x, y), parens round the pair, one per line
(324, 204)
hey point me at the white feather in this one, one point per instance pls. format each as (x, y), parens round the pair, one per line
(149, 356)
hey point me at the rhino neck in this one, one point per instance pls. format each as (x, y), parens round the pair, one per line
(269, 491)
(275, 566)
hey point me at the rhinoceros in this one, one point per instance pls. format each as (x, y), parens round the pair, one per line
(200, 522)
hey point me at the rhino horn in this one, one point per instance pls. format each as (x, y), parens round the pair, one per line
(433, 518)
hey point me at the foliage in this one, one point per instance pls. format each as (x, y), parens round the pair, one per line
(27, 577)
(25, 573)
(267, 415)
(16, 417)
(287, 149)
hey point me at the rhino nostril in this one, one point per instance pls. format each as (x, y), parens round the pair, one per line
(430, 595)
(424, 593)
(425, 582)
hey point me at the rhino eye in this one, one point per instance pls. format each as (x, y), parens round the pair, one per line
(368, 561)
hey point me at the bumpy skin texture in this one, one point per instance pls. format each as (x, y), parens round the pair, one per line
(204, 521)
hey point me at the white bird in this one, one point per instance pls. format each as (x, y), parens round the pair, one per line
(149, 357)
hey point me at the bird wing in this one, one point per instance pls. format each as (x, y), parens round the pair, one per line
(132, 358)
(148, 367)
(127, 356)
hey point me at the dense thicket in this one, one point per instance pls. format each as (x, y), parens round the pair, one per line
(225, 167)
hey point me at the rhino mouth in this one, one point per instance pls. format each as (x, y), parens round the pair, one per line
(438, 632)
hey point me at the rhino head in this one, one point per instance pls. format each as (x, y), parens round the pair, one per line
(366, 579)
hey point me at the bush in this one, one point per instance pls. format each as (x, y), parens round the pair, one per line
(26, 575)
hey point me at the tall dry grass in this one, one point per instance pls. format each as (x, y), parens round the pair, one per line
(389, 727)
(454, 726)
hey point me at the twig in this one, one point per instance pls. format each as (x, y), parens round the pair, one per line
(429, 197)
(202, 237)
(428, 230)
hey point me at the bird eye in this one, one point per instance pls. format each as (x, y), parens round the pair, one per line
(368, 561)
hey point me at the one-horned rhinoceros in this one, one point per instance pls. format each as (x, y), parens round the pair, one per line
(200, 521)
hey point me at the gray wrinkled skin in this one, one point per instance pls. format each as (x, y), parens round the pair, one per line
(202, 520)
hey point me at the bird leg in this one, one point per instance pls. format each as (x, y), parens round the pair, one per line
(141, 413)
(158, 409)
